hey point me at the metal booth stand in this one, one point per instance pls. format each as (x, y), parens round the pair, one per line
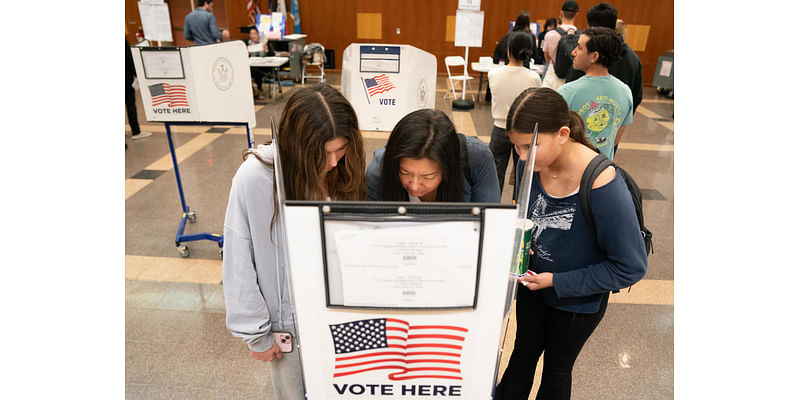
(188, 215)
(195, 85)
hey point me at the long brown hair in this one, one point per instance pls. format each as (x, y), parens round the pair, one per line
(312, 116)
(546, 107)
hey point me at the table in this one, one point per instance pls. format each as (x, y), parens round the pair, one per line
(273, 64)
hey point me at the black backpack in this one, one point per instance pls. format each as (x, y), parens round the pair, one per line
(566, 44)
(593, 170)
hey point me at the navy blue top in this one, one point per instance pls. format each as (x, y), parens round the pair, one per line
(200, 26)
(585, 266)
(481, 166)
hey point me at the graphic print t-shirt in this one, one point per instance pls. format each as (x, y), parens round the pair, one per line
(605, 103)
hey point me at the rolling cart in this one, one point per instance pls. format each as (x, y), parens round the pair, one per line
(188, 215)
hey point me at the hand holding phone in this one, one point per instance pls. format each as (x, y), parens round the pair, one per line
(284, 341)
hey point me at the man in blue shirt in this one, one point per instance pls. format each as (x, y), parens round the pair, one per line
(604, 102)
(200, 26)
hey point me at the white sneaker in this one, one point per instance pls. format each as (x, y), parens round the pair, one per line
(142, 134)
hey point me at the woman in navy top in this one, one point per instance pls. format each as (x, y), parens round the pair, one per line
(559, 307)
(422, 161)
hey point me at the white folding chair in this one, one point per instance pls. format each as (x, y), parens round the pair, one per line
(317, 60)
(455, 61)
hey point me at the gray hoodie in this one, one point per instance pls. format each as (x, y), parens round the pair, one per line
(254, 271)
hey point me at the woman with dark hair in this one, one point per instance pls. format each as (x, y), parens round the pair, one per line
(506, 83)
(574, 265)
(424, 160)
(322, 157)
(549, 25)
(522, 24)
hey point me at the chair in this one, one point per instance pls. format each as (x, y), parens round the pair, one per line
(456, 61)
(313, 55)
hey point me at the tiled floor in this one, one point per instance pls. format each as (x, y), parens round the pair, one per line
(176, 343)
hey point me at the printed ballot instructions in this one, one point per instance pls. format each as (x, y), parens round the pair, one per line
(424, 265)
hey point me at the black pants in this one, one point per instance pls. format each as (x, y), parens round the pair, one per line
(130, 108)
(501, 148)
(559, 334)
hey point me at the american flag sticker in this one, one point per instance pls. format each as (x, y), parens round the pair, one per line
(378, 84)
(405, 351)
(171, 95)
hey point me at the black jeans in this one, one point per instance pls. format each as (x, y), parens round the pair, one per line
(501, 147)
(130, 108)
(559, 334)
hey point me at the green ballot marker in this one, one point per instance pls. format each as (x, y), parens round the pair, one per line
(524, 252)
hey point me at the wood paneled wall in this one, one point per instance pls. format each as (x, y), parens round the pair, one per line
(423, 23)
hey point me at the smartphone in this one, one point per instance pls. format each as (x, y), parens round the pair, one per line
(284, 340)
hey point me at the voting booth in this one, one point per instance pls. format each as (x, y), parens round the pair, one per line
(384, 82)
(198, 85)
(400, 300)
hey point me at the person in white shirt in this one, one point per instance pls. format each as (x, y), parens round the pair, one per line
(506, 83)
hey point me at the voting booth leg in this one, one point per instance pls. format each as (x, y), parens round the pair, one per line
(188, 215)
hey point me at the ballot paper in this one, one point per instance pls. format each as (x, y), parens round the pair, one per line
(410, 267)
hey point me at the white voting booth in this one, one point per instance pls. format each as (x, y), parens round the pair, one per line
(198, 85)
(398, 300)
(384, 82)
(209, 83)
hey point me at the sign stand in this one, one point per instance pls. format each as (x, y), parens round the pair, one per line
(469, 33)
(196, 85)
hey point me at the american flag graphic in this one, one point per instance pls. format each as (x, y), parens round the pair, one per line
(172, 95)
(407, 351)
(378, 84)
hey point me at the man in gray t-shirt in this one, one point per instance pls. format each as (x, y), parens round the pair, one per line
(200, 26)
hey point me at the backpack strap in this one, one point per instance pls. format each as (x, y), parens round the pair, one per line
(598, 164)
(561, 31)
(465, 159)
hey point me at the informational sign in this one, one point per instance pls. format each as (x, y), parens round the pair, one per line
(208, 83)
(155, 21)
(395, 266)
(409, 353)
(469, 4)
(469, 28)
(163, 64)
(385, 82)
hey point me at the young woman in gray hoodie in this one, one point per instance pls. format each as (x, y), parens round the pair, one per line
(322, 157)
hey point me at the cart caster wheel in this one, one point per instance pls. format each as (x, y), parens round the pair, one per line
(192, 216)
(183, 251)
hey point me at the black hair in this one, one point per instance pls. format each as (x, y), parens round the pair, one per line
(520, 46)
(523, 22)
(602, 15)
(425, 133)
(201, 3)
(605, 42)
(546, 107)
(550, 22)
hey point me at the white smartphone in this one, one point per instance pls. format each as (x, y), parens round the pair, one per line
(284, 340)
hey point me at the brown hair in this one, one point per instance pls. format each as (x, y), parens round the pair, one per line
(546, 107)
(312, 116)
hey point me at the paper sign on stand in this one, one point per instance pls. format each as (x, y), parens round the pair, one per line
(384, 82)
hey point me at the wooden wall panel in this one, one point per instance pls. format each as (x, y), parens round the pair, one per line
(423, 23)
